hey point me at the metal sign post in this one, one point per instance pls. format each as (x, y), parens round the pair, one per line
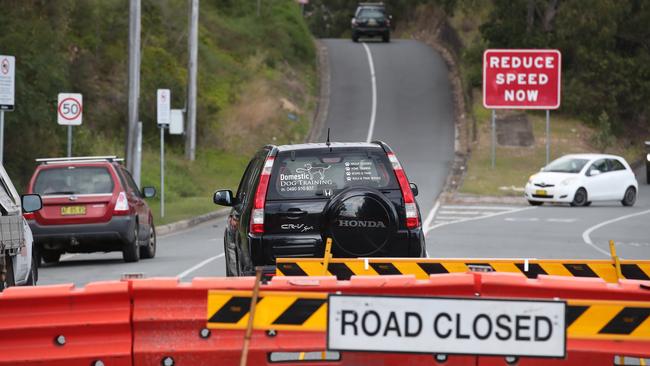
(162, 170)
(163, 115)
(69, 141)
(548, 136)
(7, 94)
(494, 138)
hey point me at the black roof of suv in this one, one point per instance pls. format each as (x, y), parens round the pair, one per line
(292, 197)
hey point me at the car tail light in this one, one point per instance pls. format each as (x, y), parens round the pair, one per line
(257, 215)
(412, 219)
(29, 216)
(122, 205)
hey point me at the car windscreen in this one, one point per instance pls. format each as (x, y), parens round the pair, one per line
(374, 13)
(73, 180)
(566, 165)
(321, 174)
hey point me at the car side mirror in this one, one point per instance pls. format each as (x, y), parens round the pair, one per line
(223, 197)
(149, 192)
(594, 172)
(414, 189)
(390, 17)
(31, 202)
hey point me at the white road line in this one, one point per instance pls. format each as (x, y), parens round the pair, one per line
(442, 217)
(587, 239)
(373, 113)
(471, 207)
(428, 229)
(448, 212)
(187, 272)
(432, 214)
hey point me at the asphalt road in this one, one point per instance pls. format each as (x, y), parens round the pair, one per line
(397, 92)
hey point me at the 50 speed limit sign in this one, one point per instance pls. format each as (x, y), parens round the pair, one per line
(69, 109)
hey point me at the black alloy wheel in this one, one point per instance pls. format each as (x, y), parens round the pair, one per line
(580, 198)
(629, 198)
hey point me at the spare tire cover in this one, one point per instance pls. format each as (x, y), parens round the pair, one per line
(360, 222)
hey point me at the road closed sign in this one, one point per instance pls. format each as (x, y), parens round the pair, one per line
(446, 326)
(69, 109)
(521, 79)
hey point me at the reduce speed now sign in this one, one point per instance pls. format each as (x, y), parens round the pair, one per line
(69, 109)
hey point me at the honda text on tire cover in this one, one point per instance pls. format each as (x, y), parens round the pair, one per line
(293, 197)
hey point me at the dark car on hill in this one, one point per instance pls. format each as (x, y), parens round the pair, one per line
(90, 204)
(291, 198)
(371, 20)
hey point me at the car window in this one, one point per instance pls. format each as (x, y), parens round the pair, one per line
(250, 176)
(566, 165)
(371, 13)
(73, 180)
(615, 164)
(314, 174)
(131, 182)
(600, 165)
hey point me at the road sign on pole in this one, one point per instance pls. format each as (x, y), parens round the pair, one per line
(69, 113)
(7, 88)
(163, 111)
(522, 79)
(176, 125)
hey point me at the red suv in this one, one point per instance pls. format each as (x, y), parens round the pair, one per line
(90, 204)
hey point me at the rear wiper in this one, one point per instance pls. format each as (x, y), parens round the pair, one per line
(59, 192)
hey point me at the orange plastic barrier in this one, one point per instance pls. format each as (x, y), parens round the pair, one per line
(63, 325)
(164, 322)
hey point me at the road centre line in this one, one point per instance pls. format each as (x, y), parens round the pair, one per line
(373, 80)
(187, 272)
(586, 234)
(428, 229)
(471, 207)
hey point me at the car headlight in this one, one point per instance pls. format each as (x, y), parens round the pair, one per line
(568, 181)
(530, 179)
(648, 157)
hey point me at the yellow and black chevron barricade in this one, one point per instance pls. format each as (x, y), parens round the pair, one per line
(585, 319)
(274, 310)
(344, 268)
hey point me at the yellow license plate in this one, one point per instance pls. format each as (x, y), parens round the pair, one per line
(541, 192)
(73, 210)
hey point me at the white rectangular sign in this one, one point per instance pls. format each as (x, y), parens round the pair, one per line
(446, 326)
(176, 123)
(69, 109)
(164, 106)
(7, 82)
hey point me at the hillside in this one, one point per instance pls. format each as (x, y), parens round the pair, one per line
(253, 72)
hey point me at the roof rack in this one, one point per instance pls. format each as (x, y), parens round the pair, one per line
(79, 159)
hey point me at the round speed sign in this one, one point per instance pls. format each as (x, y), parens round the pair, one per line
(70, 108)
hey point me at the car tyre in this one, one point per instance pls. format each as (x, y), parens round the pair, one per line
(386, 37)
(149, 251)
(355, 38)
(50, 256)
(9, 276)
(535, 203)
(229, 272)
(580, 198)
(131, 251)
(629, 198)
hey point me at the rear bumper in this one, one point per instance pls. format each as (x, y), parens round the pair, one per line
(368, 31)
(110, 235)
(265, 249)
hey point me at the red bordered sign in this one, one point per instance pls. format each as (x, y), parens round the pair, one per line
(69, 109)
(521, 79)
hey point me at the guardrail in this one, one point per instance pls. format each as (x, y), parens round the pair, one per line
(164, 322)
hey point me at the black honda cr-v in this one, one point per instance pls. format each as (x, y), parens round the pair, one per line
(292, 197)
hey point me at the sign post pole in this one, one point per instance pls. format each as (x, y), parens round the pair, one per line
(69, 141)
(2, 136)
(494, 138)
(548, 136)
(163, 116)
(162, 170)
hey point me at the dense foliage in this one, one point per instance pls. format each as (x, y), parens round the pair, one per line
(82, 46)
(605, 47)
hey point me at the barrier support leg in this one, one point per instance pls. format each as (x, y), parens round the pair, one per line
(251, 317)
(617, 263)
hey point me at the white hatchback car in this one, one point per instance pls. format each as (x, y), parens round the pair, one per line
(580, 179)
